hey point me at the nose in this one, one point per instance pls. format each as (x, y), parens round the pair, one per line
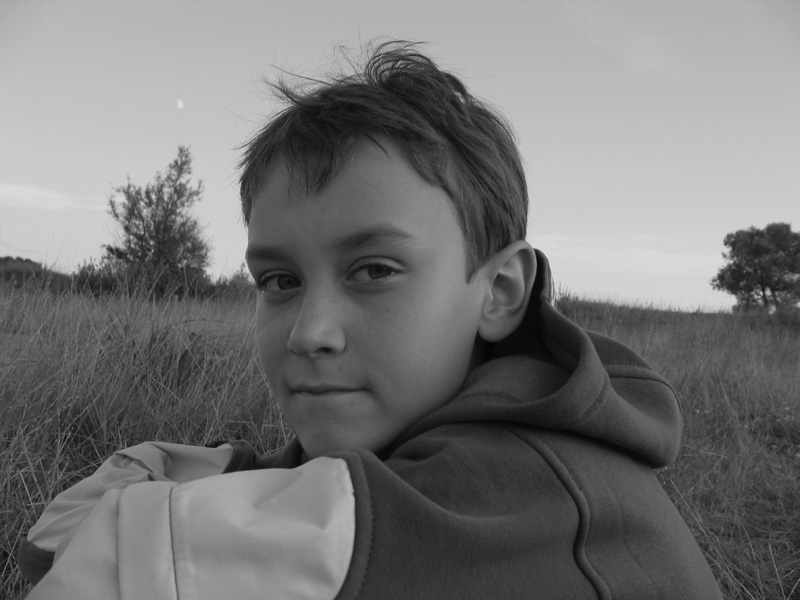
(317, 329)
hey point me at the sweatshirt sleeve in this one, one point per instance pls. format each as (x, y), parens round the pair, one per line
(150, 461)
(283, 533)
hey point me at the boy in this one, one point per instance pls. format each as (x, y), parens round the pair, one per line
(455, 436)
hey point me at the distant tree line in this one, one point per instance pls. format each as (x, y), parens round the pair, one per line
(762, 267)
(19, 272)
(25, 273)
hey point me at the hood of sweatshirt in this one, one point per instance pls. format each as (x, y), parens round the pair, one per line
(552, 374)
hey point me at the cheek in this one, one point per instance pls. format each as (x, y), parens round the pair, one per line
(451, 327)
(270, 340)
(425, 334)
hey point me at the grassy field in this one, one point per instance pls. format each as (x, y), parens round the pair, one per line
(81, 377)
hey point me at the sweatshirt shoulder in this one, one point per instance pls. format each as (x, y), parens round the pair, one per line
(632, 541)
(446, 509)
(587, 519)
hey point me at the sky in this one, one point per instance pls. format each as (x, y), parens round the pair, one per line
(649, 128)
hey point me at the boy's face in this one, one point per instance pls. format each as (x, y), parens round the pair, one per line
(365, 320)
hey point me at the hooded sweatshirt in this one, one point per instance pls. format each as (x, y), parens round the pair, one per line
(536, 481)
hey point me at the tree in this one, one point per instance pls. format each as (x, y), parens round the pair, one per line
(763, 266)
(161, 246)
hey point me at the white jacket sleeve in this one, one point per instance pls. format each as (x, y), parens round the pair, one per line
(150, 461)
(278, 533)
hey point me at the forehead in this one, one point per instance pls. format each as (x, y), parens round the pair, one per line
(375, 189)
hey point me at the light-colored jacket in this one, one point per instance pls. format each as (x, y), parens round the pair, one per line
(193, 532)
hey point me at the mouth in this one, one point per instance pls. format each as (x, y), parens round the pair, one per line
(322, 389)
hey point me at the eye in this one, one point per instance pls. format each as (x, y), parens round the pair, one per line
(277, 282)
(373, 272)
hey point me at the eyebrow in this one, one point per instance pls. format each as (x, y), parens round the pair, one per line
(372, 236)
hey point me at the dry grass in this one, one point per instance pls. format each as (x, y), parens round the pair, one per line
(80, 378)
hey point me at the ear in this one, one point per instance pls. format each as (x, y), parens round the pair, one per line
(509, 275)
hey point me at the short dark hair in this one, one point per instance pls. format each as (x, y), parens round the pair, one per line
(452, 140)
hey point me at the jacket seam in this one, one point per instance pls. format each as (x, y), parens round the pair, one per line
(597, 400)
(643, 374)
(577, 419)
(642, 377)
(581, 503)
(371, 525)
(371, 534)
(172, 542)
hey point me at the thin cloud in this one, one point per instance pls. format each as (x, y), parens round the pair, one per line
(556, 239)
(630, 34)
(13, 195)
(637, 252)
(7, 248)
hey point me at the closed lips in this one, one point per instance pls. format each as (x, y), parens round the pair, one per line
(322, 389)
